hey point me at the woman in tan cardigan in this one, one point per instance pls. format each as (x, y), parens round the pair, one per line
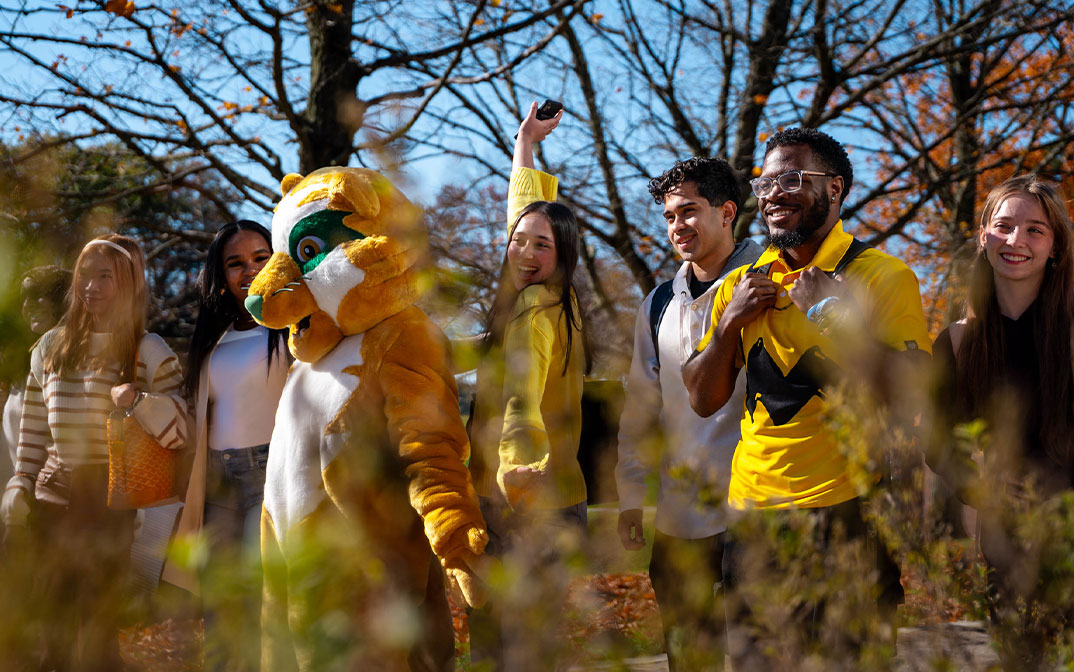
(234, 378)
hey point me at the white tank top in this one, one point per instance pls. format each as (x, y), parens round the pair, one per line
(243, 390)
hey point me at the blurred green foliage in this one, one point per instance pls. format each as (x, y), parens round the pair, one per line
(54, 197)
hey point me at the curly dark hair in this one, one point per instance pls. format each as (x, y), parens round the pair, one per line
(825, 148)
(715, 180)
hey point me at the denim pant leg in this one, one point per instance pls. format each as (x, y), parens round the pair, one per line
(517, 630)
(764, 550)
(231, 582)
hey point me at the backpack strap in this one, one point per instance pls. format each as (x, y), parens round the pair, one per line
(661, 299)
(856, 248)
(763, 270)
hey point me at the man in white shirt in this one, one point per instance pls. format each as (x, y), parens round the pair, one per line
(658, 428)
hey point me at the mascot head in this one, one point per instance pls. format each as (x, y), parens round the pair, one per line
(345, 242)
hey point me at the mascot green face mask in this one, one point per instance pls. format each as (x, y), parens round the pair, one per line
(345, 242)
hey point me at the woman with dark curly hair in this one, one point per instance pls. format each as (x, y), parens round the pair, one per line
(43, 291)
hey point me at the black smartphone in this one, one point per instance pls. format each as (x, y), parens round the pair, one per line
(548, 109)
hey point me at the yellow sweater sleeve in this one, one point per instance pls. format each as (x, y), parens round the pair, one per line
(528, 352)
(529, 185)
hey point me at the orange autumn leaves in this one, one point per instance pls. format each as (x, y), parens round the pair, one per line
(957, 148)
(124, 8)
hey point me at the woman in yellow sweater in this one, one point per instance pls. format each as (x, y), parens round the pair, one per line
(527, 419)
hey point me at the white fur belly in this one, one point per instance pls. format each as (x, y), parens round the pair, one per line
(300, 449)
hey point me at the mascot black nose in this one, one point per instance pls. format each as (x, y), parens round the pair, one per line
(253, 304)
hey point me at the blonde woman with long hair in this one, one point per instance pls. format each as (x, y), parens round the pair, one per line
(97, 360)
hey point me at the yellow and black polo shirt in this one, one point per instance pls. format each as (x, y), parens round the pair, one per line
(787, 457)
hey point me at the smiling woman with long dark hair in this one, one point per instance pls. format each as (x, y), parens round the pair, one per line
(527, 419)
(234, 378)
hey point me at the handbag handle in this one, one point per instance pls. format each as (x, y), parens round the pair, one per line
(133, 365)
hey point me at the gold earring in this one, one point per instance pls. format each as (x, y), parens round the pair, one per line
(223, 291)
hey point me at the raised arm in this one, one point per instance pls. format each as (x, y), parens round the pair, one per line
(527, 183)
(531, 131)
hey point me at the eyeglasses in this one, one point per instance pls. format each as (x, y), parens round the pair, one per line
(788, 182)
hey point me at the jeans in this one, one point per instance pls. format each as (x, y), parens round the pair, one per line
(805, 582)
(517, 629)
(231, 582)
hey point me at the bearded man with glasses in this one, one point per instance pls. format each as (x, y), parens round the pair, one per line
(817, 309)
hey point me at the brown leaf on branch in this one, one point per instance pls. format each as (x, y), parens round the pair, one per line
(124, 8)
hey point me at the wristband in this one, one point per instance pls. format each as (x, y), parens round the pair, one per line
(818, 310)
(138, 396)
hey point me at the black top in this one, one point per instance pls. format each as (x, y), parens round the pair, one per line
(1017, 390)
(698, 287)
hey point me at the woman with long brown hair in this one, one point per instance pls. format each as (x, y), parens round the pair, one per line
(97, 360)
(1008, 362)
(527, 419)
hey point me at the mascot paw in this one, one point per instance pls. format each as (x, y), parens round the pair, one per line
(468, 572)
(466, 587)
(476, 540)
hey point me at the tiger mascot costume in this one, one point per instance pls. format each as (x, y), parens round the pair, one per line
(367, 497)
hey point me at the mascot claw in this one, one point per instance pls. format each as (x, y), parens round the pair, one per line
(468, 572)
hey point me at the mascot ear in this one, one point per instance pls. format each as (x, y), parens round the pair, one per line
(360, 193)
(288, 183)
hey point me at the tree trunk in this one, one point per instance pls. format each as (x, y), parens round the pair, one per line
(333, 113)
(766, 53)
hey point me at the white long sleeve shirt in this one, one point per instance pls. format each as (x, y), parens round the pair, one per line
(658, 427)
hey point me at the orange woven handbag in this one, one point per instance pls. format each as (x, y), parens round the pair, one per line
(141, 472)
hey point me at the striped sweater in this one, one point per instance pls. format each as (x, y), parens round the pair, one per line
(64, 417)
